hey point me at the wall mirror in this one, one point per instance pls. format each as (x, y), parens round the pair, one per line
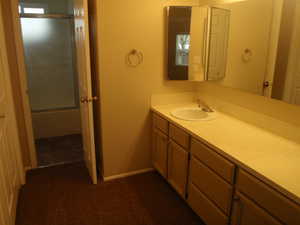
(197, 42)
(252, 45)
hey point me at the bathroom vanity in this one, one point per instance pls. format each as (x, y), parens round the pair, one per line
(225, 176)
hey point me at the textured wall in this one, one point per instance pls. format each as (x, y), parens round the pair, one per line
(126, 91)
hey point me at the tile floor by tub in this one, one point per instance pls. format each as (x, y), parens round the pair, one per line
(59, 150)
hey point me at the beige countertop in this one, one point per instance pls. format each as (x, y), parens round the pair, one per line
(270, 157)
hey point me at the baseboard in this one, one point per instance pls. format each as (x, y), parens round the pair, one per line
(122, 175)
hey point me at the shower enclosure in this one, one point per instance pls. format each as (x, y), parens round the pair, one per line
(48, 38)
(48, 43)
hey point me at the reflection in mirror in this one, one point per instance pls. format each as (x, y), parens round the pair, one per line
(198, 47)
(264, 53)
(218, 43)
(197, 43)
(248, 44)
(252, 45)
(285, 84)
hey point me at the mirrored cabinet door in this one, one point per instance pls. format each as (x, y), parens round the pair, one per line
(197, 43)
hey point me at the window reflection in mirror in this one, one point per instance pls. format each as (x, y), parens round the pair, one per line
(182, 49)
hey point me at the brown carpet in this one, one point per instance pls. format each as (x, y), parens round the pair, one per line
(63, 195)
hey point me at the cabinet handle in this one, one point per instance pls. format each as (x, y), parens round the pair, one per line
(239, 203)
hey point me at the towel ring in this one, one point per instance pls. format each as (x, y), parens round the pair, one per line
(247, 55)
(134, 58)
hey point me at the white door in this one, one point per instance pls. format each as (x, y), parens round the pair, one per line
(11, 175)
(85, 84)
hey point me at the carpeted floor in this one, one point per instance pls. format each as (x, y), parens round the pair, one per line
(59, 150)
(63, 195)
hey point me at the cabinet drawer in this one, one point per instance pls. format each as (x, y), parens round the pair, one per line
(179, 136)
(208, 212)
(160, 123)
(213, 160)
(272, 201)
(214, 187)
(247, 212)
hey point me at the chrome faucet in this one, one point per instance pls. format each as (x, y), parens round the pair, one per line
(204, 106)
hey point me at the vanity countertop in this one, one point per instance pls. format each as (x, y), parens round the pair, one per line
(272, 158)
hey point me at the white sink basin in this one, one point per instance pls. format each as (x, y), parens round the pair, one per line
(193, 114)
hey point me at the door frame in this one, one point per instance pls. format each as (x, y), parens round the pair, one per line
(17, 145)
(23, 83)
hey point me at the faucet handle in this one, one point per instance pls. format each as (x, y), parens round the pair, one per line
(204, 106)
(201, 102)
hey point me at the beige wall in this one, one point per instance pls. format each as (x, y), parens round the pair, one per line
(126, 91)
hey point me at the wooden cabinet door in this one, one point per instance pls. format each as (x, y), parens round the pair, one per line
(246, 212)
(160, 152)
(177, 167)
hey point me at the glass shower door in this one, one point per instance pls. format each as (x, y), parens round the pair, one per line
(49, 57)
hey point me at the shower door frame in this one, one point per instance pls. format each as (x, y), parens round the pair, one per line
(76, 89)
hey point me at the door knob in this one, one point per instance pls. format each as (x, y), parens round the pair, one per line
(83, 99)
(95, 98)
(266, 84)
